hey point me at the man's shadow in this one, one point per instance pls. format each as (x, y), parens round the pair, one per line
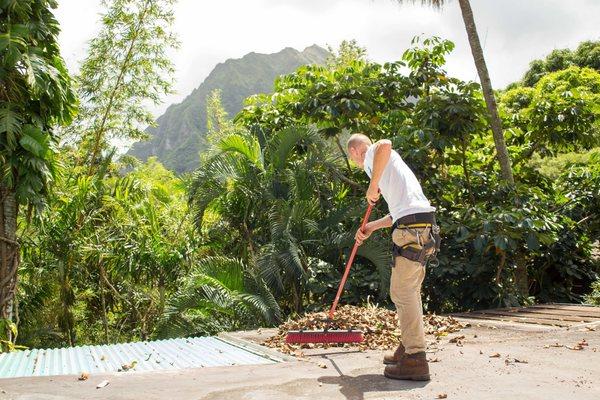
(355, 387)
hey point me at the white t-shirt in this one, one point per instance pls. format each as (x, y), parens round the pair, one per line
(399, 186)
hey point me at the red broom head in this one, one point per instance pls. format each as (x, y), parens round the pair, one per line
(335, 336)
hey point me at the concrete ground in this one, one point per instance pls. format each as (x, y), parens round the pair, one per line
(546, 368)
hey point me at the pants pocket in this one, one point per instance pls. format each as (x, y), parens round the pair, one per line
(405, 236)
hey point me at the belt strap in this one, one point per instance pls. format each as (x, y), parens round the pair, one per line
(418, 218)
(419, 253)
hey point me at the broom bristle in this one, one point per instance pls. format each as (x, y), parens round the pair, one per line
(335, 336)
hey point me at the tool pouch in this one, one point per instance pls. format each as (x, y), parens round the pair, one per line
(417, 241)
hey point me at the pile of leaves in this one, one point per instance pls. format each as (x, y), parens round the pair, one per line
(380, 328)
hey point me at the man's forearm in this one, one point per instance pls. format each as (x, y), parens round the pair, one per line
(384, 222)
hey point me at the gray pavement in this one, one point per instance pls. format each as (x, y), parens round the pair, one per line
(544, 370)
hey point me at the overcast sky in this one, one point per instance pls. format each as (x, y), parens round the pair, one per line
(512, 32)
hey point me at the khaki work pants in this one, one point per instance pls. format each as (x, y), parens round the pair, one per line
(405, 290)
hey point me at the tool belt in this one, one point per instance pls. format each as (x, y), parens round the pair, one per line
(424, 250)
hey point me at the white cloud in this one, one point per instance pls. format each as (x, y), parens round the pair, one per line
(513, 32)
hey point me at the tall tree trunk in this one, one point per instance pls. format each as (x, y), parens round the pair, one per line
(9, 251)
(100, 131)
(521, 275)
(488, 94)
(103, 299)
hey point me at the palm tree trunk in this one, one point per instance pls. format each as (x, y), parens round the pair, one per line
(488, 94)
(9, 252)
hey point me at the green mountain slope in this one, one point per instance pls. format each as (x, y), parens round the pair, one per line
(179, 135)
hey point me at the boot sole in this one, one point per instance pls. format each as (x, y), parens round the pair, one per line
(408, 377)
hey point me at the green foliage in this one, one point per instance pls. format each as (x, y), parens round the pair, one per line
(494, 253)
(126, 68)
(559, 114)
(6, 342)
(347, 52)
(554, 167)
(108, 279)
(270, 204)
(594, 296)
(36, 96)
(587, 55)
(262, 229)
(219, 294)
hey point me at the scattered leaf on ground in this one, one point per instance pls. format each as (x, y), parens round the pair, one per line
(379, 326)
(127, 367)
(322, 365)
(442, 396)
(434, 360)
(102, 384)
(457, 339)
(84, 376)
(495, 355)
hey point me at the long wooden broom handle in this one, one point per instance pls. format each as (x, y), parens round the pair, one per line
(349, 263)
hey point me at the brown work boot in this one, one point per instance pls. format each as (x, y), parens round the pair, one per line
(393, 358)
(410, 367)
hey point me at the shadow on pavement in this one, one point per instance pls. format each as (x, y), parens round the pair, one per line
(355, 387)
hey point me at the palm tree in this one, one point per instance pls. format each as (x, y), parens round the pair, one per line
(289, 177)
(219, 294)
(486, 84)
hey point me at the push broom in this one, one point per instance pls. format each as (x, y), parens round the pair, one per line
(333, 335)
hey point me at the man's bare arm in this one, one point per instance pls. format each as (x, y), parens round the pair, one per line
(383, 150)
(372, 226)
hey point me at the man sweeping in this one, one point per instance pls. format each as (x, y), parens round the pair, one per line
(415, 237)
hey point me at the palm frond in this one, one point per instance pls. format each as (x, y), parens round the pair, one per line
(245, 145)
(219, 294)
(283, 142)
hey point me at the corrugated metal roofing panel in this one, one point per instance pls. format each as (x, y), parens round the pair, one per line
(169, 354)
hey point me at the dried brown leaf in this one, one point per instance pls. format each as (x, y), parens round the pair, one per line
(457, 339)
(379, 326)
(576, 347)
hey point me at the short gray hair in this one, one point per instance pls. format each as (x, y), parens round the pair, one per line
(356, 139)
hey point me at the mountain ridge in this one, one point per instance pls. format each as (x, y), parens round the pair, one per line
(178, 136)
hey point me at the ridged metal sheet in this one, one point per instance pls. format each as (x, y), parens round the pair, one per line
(170, 354)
